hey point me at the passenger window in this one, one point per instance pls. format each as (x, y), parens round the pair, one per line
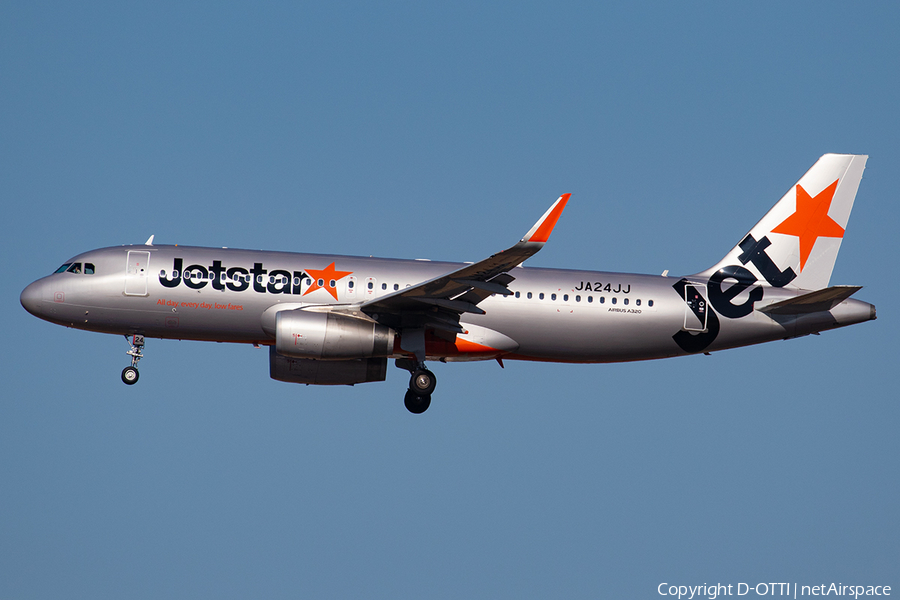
(602, 299)
(625, 301)
(638, 301)
(649, 302)
(565, 297)
(383, 286)
(577, 298)
(517, 294)
(75, 268)
(88, 268)
(613, 299)
(553, 296)
(63, 268)
(541, 295)
(320, 282)
(590, 299)
(529, 295)
(371, 285)
(396, 286)
(308, 281)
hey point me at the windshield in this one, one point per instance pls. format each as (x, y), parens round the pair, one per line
(63, 268)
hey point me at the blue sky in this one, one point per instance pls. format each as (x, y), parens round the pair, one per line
(425, 131)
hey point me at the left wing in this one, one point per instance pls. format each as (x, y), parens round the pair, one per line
(438, 303)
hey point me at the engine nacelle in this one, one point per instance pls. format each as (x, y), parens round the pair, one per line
(325, 372)
(323, 335)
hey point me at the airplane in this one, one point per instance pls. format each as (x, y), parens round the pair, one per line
(337, 320)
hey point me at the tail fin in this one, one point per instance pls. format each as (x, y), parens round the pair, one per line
(797, 242)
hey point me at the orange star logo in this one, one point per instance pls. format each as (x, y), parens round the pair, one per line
(326, 278)
(810, 221)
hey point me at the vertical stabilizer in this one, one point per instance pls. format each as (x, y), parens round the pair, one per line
(796, 243)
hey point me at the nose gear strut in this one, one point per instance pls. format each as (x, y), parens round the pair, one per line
(130, 374)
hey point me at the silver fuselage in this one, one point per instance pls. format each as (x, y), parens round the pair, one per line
(558, 315)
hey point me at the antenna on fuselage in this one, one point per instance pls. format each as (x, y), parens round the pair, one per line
(149, 241)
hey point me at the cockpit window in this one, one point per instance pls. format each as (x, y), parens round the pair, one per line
(62, 269)
(88, 268)
(75, 268)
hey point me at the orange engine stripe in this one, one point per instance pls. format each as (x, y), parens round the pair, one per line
(468, 347)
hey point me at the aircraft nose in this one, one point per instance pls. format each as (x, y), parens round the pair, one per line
(31, 298)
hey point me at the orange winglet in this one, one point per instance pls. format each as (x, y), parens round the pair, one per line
(548, 222)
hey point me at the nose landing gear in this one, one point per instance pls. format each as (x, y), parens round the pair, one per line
(130, 374)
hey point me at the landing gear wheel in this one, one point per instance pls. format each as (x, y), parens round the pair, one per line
(422, 382)
(130, 375)
(415, 403)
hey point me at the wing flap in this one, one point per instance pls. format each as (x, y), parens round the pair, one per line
(460, 306)
(488, 286)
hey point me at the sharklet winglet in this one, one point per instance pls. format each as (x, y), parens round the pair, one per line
(541, 231)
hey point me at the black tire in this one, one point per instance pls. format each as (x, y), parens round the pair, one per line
(422, 382)
(130, 375)
(415, 403)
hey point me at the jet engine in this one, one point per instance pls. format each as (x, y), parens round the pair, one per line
(330, 336)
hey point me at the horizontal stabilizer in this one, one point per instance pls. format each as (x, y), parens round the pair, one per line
(821, 300)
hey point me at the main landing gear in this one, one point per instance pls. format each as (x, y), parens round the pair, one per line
(421, 384)
(130, 374)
